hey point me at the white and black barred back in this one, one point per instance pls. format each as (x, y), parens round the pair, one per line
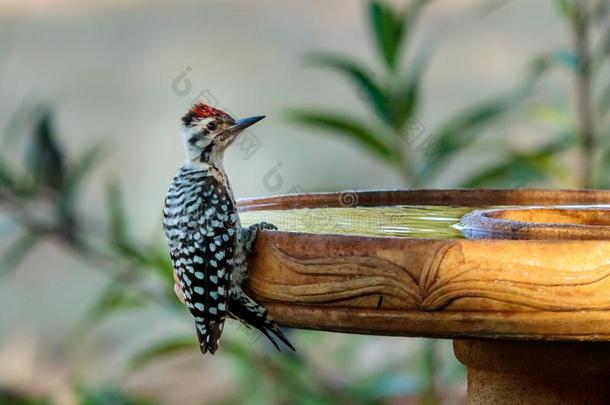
(202, 227)
(207, 244)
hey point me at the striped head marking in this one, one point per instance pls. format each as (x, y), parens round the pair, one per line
(208, 131)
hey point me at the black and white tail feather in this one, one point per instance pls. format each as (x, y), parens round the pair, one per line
(246, 310)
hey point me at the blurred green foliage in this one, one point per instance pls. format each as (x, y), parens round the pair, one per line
(393, 132)
(108, 395)
(103, 395)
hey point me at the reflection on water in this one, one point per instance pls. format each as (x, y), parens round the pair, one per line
(435, 222)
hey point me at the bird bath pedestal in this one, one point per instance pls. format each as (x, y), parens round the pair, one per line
(525, 296)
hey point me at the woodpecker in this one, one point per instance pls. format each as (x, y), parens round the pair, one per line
(208, 246)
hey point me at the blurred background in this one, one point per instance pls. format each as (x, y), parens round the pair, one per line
(358, 95)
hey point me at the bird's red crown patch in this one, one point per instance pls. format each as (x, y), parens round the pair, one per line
(202, 110)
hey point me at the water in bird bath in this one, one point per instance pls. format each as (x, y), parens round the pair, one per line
(413, 221)
(433, 222)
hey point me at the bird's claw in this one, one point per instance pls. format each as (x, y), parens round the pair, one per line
(263, 225)
(249, 234)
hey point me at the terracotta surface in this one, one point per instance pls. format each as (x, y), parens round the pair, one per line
(535, 372)
(538, 223)
(535, 313)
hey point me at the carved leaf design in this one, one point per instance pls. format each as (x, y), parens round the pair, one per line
(358, 276)
(446, 278)
(520, 284)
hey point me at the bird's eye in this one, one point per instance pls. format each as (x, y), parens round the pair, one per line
(212, 125)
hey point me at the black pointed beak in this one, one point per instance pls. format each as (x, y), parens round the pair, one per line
(244, 123)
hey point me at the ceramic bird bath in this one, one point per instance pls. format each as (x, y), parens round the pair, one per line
(521, 285)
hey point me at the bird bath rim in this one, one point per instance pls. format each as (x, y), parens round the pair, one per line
(435, 197)
(453, 288)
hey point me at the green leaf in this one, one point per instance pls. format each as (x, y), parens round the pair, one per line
(368, 88)
(388, 28)
(565, 8)
(405, 104)
(17, 252)
(7, 178)
(516, 171)
(163, 349)
(157, 260)
(391, 28)
(463, 129)
(45, 157)
(346, 126)
(119, 236)
(519, 169)
(405, 97)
